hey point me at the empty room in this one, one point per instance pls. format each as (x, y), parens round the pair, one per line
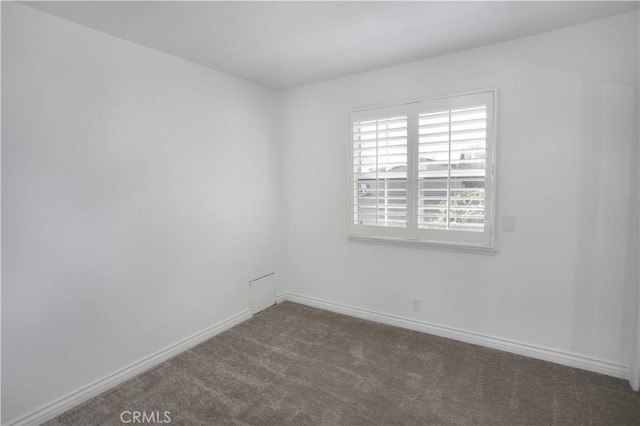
(320, 213)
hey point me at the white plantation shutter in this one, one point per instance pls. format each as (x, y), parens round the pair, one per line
(379, 195)
(451, 168)
(424, 171)
(380, 171)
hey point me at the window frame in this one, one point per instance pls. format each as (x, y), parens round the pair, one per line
(412, 235)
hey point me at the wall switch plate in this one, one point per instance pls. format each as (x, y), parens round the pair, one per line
(509, 223)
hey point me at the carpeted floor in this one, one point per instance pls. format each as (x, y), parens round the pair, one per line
(296, 365)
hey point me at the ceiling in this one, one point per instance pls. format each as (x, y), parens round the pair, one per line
(283, 45)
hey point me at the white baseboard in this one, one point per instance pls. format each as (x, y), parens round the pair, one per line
(55, 408)
(634, 377)
(551, 355)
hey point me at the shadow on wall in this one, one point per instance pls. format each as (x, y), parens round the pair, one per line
(607, 238)
(630, 330)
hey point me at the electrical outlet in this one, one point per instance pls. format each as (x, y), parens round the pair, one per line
(416, 304)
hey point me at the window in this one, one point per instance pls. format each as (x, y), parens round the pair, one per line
(424, 171)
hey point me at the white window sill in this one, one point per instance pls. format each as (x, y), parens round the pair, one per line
(456, 247)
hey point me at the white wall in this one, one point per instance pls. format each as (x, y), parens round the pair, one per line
(138, 199)
(566, 169)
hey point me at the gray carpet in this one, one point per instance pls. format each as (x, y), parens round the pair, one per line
(296, 365)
